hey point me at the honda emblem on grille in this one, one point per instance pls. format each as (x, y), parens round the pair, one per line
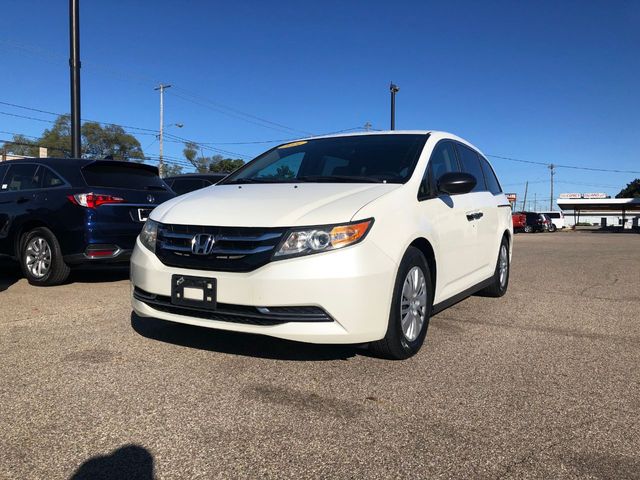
(151, 198)
(202, 244)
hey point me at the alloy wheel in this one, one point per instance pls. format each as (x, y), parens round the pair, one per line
(38, 257)
(503, 265)
(413, 304)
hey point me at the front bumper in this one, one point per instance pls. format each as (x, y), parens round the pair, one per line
(353, 286)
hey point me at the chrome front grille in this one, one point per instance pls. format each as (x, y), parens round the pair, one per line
(236, 249)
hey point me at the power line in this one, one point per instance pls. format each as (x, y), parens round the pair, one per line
(563, 166)
(225, 109)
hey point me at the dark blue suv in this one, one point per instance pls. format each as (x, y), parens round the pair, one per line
(57, 213)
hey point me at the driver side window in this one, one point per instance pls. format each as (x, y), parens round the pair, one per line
(443, 160)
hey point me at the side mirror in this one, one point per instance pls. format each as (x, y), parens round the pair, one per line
(454, 183)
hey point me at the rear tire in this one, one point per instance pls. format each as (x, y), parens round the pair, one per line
(552, 228)
(410, 309)
(41, 258)
(501, 275)
(528, 229)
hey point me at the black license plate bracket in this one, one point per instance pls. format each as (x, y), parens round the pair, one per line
(194, 292)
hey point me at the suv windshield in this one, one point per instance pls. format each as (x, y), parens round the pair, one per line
(350, 159)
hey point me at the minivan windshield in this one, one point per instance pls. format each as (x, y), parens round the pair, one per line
(351, 159)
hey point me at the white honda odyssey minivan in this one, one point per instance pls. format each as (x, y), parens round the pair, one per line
(340, 239)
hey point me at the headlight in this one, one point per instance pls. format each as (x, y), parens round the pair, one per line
(149, 234)
(309, 240)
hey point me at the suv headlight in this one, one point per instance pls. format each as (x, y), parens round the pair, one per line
(308, 240)
(149, 234)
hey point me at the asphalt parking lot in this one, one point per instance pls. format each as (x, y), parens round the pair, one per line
(543, 383)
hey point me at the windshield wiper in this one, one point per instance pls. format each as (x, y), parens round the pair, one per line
(338, 179)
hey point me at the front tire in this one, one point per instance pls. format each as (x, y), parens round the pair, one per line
(528, 229)
(410, 309)
(41, 258)
(501, 274)
(552, 228)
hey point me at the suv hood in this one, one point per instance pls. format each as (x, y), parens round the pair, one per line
(271, 205)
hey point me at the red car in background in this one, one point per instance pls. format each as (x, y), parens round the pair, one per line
(519, 221)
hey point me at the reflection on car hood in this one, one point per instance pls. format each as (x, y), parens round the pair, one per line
(271, 205)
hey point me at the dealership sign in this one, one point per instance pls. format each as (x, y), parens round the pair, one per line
(590, 196)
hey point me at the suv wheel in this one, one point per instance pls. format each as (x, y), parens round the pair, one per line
(528, 229)
(410, 309)
(501, 275)
(41, 258)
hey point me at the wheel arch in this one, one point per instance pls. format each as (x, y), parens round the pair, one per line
(23, 228)
(426, 248)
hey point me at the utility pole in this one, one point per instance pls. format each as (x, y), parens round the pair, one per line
(367, 126)
(161, 87)
(535, 202)
(74, 66)
(524, 202)
(552, 170)
(393, 89)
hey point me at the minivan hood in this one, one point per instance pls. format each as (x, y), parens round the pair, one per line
(271, 205)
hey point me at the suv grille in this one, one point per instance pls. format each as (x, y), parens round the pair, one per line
(236, 249)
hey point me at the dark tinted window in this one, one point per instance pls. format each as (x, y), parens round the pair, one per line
(554, 215)
(21, 177)
(186, 185)
(126, 175)
(3, 170)
(49, 178)
(353, 159)
(470, 163)
(492, 181)
(443, 160)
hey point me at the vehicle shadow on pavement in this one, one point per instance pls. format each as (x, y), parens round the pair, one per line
(246, 344)
(132, 462)
(9, 273)
(101, 274)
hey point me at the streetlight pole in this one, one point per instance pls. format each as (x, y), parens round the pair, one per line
(393, 89)
(552, 170)
(161, 87)
(74, 66)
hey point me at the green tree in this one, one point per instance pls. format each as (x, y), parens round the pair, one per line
(204, 164)
(57, 139)
(225, 165)
(171, 169)
(632, 190)
(190, 152)
(97, 141)
(110, 140)
(21, 145)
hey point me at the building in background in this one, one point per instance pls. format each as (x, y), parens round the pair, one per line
(599, 209)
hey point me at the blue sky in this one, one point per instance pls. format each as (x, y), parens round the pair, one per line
(544, 81)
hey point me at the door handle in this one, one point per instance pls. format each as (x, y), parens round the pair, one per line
(474, 216)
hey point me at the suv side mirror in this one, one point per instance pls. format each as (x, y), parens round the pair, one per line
(454, 183)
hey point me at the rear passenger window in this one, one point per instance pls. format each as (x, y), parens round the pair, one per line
(186, 185)
(443, 160)
(50, 179)
(470, 163)
(21, 177)
(492, 181)
(3, 170)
